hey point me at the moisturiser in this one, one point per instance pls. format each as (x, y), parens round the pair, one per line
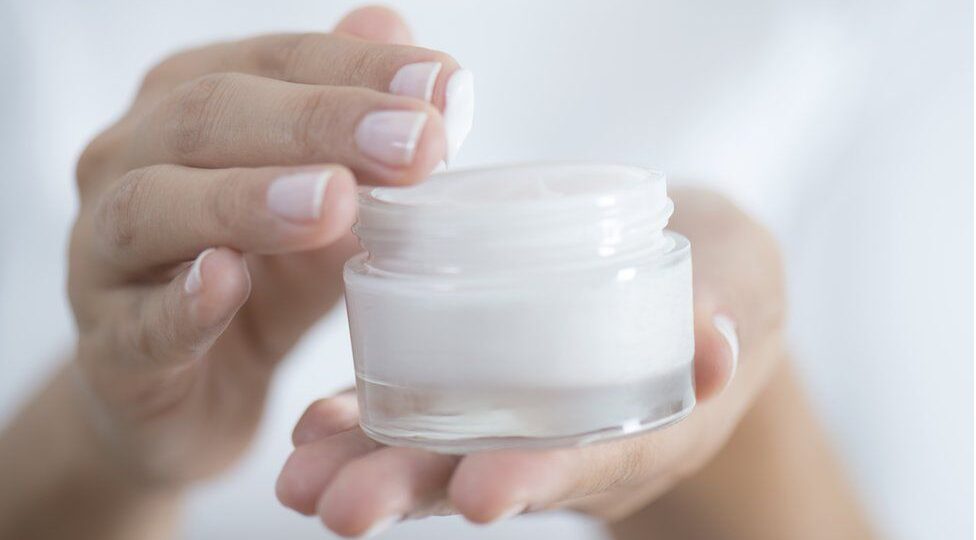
(532, 305)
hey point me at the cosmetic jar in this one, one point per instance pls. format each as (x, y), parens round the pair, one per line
(520, 306)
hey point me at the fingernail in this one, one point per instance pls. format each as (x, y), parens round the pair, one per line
(194, 279)
(726, 328)
(416, 80)
(511, 512)
(458, 110)
(390, 136)
(381, 525)
(298, 197)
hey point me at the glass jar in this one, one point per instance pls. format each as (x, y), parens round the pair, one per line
(528, 305)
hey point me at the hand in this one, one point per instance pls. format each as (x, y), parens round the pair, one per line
(215, 219)
(356, 485)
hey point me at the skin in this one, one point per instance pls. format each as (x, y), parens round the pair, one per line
(167, 386)
(351, 482)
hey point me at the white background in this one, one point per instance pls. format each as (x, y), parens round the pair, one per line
(845, 126)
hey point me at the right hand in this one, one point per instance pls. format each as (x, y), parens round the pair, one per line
(215, 219)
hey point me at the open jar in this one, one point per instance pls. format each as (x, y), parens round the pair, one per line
(527, 305)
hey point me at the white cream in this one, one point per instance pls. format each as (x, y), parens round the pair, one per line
(458, 110)
(524, 305)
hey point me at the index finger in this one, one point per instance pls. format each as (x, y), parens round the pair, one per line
(336, 60)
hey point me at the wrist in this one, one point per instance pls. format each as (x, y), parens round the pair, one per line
(56, 464)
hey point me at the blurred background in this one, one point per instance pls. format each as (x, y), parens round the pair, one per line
(845, 126)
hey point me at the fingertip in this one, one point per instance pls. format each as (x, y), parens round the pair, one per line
(458, 107)
(339, 206)
(311, 468)
(376, 23)
(220, 284)
(349, 507)
(326, 417)
(291, 487)
(492, 486)
(431, 148)
(283, 491)
(716, 355)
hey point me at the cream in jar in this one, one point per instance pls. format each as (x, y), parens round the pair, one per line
(529, 305)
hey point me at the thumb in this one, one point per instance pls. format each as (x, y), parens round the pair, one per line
(716, 352)
(376, 23)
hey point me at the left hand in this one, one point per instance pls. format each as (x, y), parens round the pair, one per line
(357, 485)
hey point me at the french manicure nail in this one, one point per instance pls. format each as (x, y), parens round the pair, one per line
(194, 279)
(390, 136)
(381, 525)
(511, 512)
(298, 197)
(458, 110)
(416, 80)
(726, 327)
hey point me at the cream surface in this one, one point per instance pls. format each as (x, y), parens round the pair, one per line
(522, 183)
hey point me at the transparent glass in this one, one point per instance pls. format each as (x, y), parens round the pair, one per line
(533, 305)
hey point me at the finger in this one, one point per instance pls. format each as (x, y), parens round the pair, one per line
(376, 23)
(326, 417)
(310, 467)
(339, 60)
(383, 487)
(166, 214)
(230, 119)
(293, 291)
(177, 323)
(492, 485)
(310, 58)
(716, 353)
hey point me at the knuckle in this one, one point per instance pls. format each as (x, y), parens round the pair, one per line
(93, 160)
(282, 58)
(361, 63)
(160, 75)
(629, 462)
(227, 202)
(115, 223)
(176, 67)
(135, 339)
(152, 334)
(194, 110)
(315, 121)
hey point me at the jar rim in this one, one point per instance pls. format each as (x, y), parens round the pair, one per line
(539, 213)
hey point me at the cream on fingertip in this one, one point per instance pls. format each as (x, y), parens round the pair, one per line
(458, 111)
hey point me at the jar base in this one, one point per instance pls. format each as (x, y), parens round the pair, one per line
(456, 420)
(469, 445)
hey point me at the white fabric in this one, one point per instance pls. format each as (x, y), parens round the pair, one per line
(845, 126)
